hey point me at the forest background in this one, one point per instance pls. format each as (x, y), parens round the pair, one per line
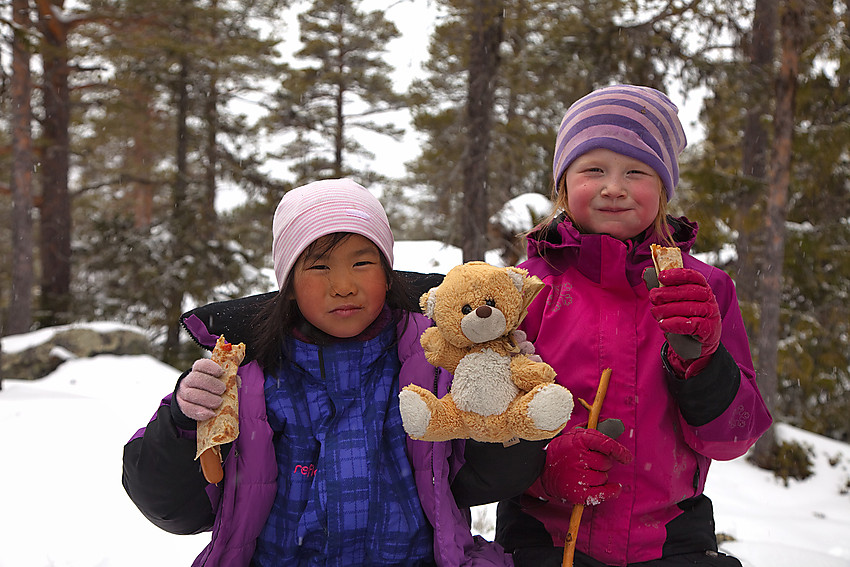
(125, 121)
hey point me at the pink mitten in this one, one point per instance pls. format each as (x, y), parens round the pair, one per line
(525, 346)
(577, 465)
(199, 393)
(685, 305)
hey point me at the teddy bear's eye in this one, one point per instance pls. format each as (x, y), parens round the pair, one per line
(466, 309)
(490, 302)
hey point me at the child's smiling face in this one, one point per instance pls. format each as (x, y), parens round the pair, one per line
(610, 193)
(342, 291)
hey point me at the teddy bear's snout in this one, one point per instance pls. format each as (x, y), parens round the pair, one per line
(485, 323)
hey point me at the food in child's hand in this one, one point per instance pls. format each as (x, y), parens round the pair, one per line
(666, 258)
(224, 426)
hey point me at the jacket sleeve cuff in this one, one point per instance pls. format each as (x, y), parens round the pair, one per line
(493, 472)
(704, 396)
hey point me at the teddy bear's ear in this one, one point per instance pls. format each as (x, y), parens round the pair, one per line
(427, 301)
(532, 286)
(517, 276)
(529, 287)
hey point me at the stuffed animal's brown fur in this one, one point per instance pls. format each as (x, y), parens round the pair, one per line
(498, 393)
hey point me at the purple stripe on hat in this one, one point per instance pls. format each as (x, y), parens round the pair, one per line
(637, 99)
(647, 135)
(617, 142)
(659, 132)
(642, 96)
(636, 121)
(650, 127)
(647, 132)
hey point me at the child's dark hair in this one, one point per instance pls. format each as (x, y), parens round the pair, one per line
(278, 318)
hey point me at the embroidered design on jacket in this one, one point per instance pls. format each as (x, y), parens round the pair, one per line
(560, 297)
(740, 417)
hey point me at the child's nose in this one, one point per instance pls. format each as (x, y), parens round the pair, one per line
(342, 284)
(613, 188)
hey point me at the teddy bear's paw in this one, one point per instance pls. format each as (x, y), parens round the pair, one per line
(551, 407)
(415, 415)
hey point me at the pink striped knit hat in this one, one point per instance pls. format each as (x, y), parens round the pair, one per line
(639, 122)
(317, 209)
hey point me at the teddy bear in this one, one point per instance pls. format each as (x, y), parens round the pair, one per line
(498, 393)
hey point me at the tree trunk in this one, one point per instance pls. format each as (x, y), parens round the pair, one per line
(755, 146)
(180, 218)
(19, 314)
(142, 189)
(55, 241)
(140, 156)
(211, 120)
(793, 31)
(339, 103)
(486, 19)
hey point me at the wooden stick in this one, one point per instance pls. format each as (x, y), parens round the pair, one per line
(578, 509)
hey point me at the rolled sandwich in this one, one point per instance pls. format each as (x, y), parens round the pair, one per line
(667, 258)
(224, 426)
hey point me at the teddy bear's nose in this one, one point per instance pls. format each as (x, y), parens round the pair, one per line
(484, 311)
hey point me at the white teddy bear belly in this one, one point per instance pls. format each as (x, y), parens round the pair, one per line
(482, 383)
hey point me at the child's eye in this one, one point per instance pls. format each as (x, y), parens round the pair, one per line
(365, 263)
(318, 267)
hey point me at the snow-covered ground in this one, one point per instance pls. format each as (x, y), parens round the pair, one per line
(62, 504)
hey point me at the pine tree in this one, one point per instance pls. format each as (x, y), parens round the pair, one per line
(335, 97)
(19, 315)
(811, 369)
(55, 224)
(551, 54)
(161, 146)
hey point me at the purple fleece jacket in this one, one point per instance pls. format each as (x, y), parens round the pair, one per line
(251, 467)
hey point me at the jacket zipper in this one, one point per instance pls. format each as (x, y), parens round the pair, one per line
(433, 473)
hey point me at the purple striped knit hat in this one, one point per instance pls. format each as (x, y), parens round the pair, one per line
(317, 209)
(639, 122)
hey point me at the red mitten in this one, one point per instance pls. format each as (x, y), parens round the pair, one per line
(199, 393)
(685, 305)
(577, 465)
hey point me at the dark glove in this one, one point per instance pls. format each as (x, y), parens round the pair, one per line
(200, 391)
(685, 305)
(577, 465)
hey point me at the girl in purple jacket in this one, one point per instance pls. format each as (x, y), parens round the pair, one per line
(322, 472)
(682, 384)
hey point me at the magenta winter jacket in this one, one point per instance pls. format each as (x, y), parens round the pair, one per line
(594, 314)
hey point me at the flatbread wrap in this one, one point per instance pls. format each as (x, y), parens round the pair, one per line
(666, 258)
(224, 426)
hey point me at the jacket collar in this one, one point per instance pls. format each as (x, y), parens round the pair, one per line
(561, 245)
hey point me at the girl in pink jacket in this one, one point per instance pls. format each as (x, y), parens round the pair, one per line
(682, 383)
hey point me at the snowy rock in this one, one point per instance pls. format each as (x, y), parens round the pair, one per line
(37, 359)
